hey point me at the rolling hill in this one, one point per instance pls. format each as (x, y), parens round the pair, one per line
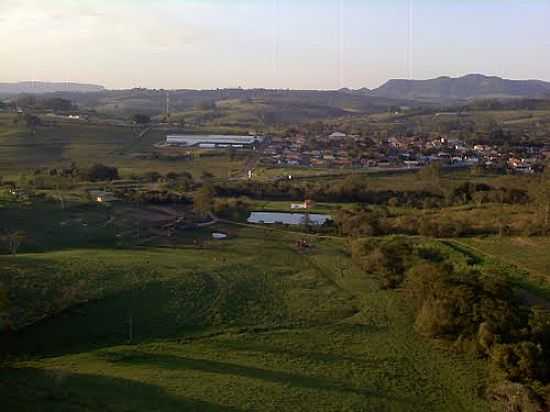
(268, 105)
(47, 87)
(470, 87)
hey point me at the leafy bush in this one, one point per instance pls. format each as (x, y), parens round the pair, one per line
(234, 209)
(100, 172)
(388, 258)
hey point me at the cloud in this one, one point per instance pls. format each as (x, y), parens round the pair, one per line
(129, 24)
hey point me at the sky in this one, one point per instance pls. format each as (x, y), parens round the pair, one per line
(296, 44)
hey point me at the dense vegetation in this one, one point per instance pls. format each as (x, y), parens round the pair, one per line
(476, 308)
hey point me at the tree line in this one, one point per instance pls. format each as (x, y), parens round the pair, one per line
(356, 189)
(476, 310)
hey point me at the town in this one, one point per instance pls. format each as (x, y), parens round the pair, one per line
(339, 150)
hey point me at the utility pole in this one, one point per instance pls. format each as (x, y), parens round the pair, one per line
(60, 196)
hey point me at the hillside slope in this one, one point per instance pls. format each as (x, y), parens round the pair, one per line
(473, 86)
(47, 87)
(246, 324)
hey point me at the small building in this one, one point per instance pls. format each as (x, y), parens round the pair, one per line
(307, 204)
(102, 196)
(337, 136)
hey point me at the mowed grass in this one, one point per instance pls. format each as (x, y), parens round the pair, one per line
(530, 254)
(284, 206)
(250, 323)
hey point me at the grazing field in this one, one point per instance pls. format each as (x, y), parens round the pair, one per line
(529, 253)
(251, 323)
(125, 147)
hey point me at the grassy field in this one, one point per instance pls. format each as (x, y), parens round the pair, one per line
(397, 180)
(325, 174)
(528, 253)
(124, 147)
(283, 206)
(251, 323)
(109, 317)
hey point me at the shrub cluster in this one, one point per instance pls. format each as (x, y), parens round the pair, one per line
(355, 189)
(477, 311)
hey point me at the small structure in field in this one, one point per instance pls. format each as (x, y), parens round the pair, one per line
(307, 204)
(219, 236)
(303, 244)
(102, 196)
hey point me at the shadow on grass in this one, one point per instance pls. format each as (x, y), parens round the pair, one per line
(340, 360)
(106, 322)
(224, 368)
(151, 311)
(36, 390)
(471, 257)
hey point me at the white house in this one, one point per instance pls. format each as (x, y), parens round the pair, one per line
(307, 204)
(337, 135)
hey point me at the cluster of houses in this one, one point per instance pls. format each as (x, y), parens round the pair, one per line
(339, 150)
(330, 151)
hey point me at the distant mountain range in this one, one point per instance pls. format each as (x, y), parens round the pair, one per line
(470, 87)
(396, 92)
(47, 87)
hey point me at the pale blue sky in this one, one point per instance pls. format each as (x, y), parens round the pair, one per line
(308, 44)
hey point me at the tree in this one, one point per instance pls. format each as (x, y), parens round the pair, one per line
(32, 122)
(152, 176)
(26, 101)
(3, 299)
(232, 209)
(352, 187)
(101, 172)
(141, 119)
(59, 104)
(203, 201)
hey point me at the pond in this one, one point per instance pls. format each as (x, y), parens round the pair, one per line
(287, 218)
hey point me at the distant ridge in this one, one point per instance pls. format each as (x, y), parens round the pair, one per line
(469, 87)
(47, 87)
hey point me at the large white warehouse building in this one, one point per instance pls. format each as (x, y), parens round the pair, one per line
(213, 141)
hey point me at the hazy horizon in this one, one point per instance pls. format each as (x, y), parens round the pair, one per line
(274, 44)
